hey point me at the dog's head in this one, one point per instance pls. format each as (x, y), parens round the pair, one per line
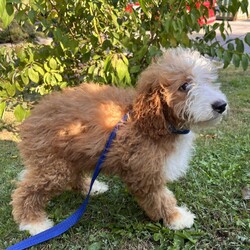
(178, 90)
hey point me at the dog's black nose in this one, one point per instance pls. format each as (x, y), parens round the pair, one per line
(219, 106)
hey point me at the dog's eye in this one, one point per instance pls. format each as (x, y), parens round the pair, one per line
(185, 87)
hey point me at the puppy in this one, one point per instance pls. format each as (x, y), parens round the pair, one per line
(66, 133)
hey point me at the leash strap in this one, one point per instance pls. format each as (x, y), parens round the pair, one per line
(75, 217)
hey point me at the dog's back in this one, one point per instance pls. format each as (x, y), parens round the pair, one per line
(81, 117)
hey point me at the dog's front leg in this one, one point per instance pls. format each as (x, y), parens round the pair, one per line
(160, 204)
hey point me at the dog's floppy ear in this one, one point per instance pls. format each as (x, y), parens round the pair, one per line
(148, 112)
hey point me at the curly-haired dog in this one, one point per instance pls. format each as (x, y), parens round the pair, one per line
(66, 133)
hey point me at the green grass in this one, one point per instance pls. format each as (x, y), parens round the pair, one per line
(211, 189)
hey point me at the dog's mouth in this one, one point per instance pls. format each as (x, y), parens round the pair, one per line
(216, 119)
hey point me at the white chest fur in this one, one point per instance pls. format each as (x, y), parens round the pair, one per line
(176, 163)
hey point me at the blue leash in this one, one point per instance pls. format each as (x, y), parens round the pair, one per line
(75, 217)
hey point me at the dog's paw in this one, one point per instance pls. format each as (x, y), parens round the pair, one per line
(36, 227)
(22, 175)
(99, 188)
(183, 218)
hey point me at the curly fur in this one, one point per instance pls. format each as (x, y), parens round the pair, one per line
(66, 133)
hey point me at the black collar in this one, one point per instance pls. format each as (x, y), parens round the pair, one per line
(178, 131)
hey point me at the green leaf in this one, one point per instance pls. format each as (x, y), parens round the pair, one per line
(216, 26)
(63, 85)
(185, 39)
(239, 45)
(247, 39)
(125, 59)
(91, 69)
(178, 242)
(42, 90)
(96, 57)
(230, 46)
(19, 86)
(114, 60)
(20, 15)
(135, 69)
(106, 44)
(244, 6)
(86, 56)
(236, 60)
(31, 56)
(46, 67)
(153, 227)
(47, 78)
(24, 77)
(32, 15)
(157, 236)
(9, 8)
(114, 19)
(70, 44)
(21, 54)
(227, 56)
(2, 6)
(244, 62)
(58, 77)
(11, 89)
(121, 69)
(38, 69)
(21, 113)
(219, 53)
(53, 80)
(7, 15)
(186, 235)
(33, 75)
(58, 34)
(53, 63)
(106, 64)
(113, 78)
(128, 78)
(2, 107)
(212, 51)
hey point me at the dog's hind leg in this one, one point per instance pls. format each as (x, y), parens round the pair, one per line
(33, 192)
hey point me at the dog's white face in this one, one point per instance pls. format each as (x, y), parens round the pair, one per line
(194, 94)
(205, 104)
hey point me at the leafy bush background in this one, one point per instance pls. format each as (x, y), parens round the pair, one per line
(99, 41)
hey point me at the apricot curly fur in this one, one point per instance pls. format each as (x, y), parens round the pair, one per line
(66, 133)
